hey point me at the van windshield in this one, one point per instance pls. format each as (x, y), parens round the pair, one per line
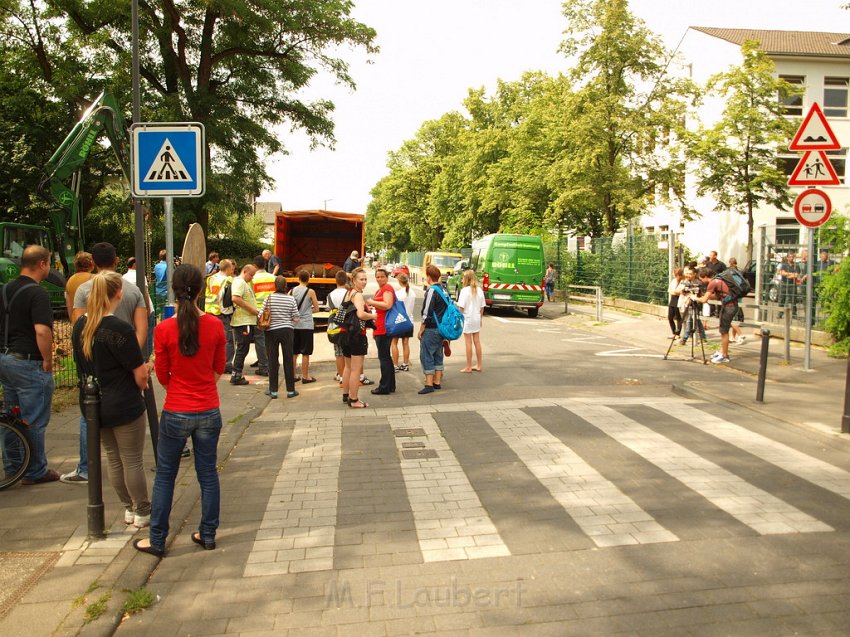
(445, 260)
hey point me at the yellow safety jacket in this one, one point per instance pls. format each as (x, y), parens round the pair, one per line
(263, 283)
(213, 287)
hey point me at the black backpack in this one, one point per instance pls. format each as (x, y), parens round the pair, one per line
(226, 297)
(737, 284)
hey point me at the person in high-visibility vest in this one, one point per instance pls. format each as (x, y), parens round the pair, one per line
(263, 283)
(212, 305)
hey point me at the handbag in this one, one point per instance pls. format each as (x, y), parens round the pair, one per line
(264, 318)
(396, 320)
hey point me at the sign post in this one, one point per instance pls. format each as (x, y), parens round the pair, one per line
(813, 207)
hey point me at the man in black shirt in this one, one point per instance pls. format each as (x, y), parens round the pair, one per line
(26, 355)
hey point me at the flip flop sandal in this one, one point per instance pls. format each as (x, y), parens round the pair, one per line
(357, 404)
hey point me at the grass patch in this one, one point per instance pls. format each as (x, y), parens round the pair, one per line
(79, 600)
(98, 607)
(137, 601)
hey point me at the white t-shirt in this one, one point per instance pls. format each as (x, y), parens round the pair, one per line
(409, 300)
(472, 306)
(130, 275)
(336, 297)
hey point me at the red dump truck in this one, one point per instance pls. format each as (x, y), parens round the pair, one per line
(318, 241)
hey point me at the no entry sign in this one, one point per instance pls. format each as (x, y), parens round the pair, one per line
(812, 207)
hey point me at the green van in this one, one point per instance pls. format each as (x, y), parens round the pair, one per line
(510, 270)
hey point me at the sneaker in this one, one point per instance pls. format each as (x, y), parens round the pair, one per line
(716, 355)
(397, 369)
(254, 364)
(129, 516)
(366, 381)
(338, 378)
(262, 372)
(239, 380)
(74, 478)
(272, 394)
(185, 453)
(405, 367)
(682, 341)
(426, 390)
(141, 521)
(291, 394)
(741, 340)
(720, 360)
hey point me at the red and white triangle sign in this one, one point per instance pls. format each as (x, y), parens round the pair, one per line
(814, 169)
(814, 133)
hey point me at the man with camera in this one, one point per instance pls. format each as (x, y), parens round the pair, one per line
(689, 307)
(717, 289)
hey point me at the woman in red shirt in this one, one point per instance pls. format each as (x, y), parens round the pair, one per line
(189, 361)
(382, 301)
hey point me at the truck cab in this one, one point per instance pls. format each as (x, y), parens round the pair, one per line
(445, 261)
(14, 237)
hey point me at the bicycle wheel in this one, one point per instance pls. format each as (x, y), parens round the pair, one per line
(14, 450)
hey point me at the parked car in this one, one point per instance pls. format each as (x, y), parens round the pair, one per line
(771, 278)
(400, 268)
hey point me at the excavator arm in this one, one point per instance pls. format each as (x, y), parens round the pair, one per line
(62, 171)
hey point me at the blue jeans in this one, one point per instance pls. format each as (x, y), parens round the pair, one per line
(431, 351)
(550, 289)
(260, 350)
(26, 384)
(204, 428)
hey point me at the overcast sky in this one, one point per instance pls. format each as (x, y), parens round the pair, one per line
(433, 51)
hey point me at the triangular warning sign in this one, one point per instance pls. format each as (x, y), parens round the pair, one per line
(814, 169)
(167, 166)
(814, 133)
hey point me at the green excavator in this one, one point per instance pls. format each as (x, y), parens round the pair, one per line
(64, 237)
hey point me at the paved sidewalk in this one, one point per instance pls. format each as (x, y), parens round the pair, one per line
(50, 574)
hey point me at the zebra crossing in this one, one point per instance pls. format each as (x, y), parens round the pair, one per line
(449, 512)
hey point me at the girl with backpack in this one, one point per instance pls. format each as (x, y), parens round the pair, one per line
(354, 342)
(430, 339)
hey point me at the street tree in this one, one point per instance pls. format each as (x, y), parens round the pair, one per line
(237, 66)
(624, 102)
(737, 155)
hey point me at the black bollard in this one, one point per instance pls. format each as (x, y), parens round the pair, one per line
(765, 343)
(845, 419)
(95, 512)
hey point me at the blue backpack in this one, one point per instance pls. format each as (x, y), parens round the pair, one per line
(451, 325)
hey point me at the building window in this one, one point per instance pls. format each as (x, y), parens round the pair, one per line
(835, 96)
(787, 231)
(838, 159)
(787, 163)
(794, 103)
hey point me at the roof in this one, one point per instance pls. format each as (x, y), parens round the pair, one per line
(804, 43)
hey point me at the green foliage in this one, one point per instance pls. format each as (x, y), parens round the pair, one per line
(834, 288)
(97, 607)
(239, 250)
(737, 156)
(575, 152)
(137, 601)
(238, 67)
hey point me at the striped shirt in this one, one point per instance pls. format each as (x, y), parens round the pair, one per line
(284, 312)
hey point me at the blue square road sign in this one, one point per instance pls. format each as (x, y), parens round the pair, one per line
(168, 159)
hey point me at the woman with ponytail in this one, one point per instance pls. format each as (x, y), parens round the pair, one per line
(189, 361)
(105, 348)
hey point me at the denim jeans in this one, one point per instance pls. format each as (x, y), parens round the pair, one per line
(174, 428)
(431, 351)
(228, 342)
(260, 350)
(243, 345)
(692, 315)
(26, 384)
(387, 382)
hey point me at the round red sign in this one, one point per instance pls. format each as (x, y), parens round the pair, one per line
(812, 207)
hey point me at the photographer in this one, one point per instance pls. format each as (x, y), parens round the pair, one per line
(690, 306)
(716, 288)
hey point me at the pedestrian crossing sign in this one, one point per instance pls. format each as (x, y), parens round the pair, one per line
(168, 159)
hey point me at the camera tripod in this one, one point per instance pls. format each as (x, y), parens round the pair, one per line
(696, 329)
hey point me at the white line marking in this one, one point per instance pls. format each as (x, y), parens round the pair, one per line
(625, 352)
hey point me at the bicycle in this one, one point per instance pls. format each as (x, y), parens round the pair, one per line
(15, 449)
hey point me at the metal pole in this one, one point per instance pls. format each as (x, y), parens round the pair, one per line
(810, 266)
(765, 344)
(598, 304)
(94, 511)
(168, 203)
(787, 317)
(845, 419)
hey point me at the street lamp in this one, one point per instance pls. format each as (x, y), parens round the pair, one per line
(325, 206)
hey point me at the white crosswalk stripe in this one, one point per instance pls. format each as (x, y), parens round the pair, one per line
(762, 512)
(815, 471)
(450, 522)
(298, 530)
(602, 511)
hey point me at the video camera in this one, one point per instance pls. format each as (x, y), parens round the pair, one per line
(689, 287)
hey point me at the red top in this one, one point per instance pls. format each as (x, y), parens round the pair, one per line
(380, 326)
(189, 381)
